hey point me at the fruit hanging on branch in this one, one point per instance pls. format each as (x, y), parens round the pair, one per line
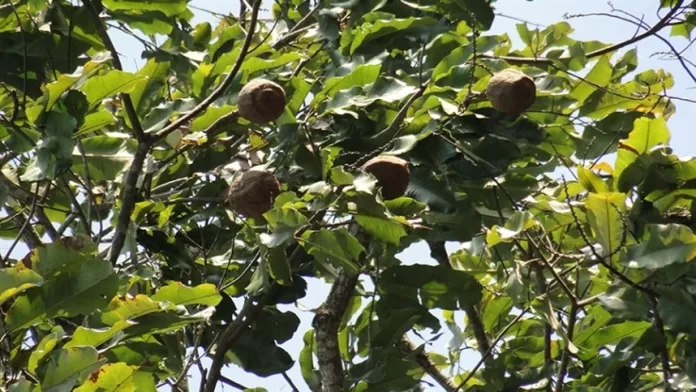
(252, 194)
(511, 91)
(261, 101)
(392, 174)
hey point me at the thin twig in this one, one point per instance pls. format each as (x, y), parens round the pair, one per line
(201, 107)
(490, 349)
(599, 52)
(439, 253)
(127, 102)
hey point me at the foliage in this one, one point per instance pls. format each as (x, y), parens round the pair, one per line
(115, 182)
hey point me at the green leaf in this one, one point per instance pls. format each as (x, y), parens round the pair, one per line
(68, 367)
(149, 22)
(96, 121)
(21, 385)
(598, 78)
(336, 248)
(96, 337)
(259, 356)
(45, 346)
(279, 267)
(516, 224)
(604, 213)
(163, 323)
(379, 24)
(54, 152)
(648, 133)
(665, 245)
(98, 88)
(78, 287)
(383, 229)
(167, 7)
(111, 377)
(154, 77)
(107, 156)
(436, 286)
(126, 308)
(591, 180)
(178, 294)
(309, 372)
(361, 75)
(14, 280)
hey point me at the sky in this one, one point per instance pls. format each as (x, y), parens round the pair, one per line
(541, 12)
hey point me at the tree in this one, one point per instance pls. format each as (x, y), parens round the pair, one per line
(169, 211)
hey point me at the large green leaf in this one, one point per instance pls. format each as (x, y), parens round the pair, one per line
(167, 7)
(68, 367)
(604, 213)
(79, 286)
(108, 85)
(178, 294)
(665, 245)
(15, 280)
(116, 377)
(259, 356)
(380, 24)
(386, 230)
(336, 248)
(436, 286)
(107, 156)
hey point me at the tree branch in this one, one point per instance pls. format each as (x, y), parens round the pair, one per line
(326, 322)
(599, 52)
(439, 253)
(127, 102)
(565, 359)
(426, 364)
(128, 201)
(201, 107)
(246, 316)
(487, 354)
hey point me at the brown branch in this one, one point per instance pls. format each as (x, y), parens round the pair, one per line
(246, 316)
(439, 253)
(127, 102)
(128, 201)
(490, 349)
(296, 30)
(659, 325)
(229, 336)
(201, 107)
(565, 359)
(599, 52)
(326, 322)
(426, 364)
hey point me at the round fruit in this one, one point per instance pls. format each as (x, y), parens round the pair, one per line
(252, 194)
(511, 91)
(392, 174)
(261, 101)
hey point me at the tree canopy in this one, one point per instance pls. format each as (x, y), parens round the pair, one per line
(170, 211)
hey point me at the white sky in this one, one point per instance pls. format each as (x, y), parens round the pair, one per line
(541, 12)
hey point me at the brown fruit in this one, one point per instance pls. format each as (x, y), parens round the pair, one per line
(253, 193)
(261, 101)
(511, 91)
(392, 175)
